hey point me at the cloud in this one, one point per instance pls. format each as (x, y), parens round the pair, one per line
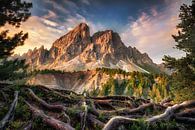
(73, 21)
(152, 32)
(49, 22)
(39, 33)
(85, 2)
(50, 15)
(43, 31)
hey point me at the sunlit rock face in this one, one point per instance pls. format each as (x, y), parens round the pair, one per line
(77, 50)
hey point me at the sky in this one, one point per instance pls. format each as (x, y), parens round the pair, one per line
(144, 24)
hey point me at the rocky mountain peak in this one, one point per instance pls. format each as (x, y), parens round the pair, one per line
(78, 34)
(107, 37)
(71, 44)
(77, 50)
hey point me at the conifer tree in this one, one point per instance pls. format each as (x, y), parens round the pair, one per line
(12, 12)
(185, 40)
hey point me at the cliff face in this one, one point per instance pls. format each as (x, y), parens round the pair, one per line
(77, 50)
(75, 81)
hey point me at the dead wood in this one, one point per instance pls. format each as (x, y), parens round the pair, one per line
(45, 104)
(91, 119)
(169, 113)
(84, 116)
(50, 121)
(187, 113)
(118, 103)
(104, 105)
(123, 98)
(9, 116)
(127, 111)
(187, 120)
(4, 96)
(165, 101)
(28, 126)
(117, 121)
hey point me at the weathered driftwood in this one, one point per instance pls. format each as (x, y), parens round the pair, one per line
(45, 104)
(9, 116)
(54, 123)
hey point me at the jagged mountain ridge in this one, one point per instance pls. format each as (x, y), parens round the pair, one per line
(77, 51)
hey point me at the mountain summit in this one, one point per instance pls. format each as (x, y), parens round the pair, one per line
(77, 50)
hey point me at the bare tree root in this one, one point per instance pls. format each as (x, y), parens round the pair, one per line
(9, 116)
(28, 126)
(115, 103)
(187, 113)
(116, 121)
(45, 104)
(186, 120)
(123, 98)
(84, 115)
(66, 91)
(54, 123)
(4, 96)
(127, 111)
(104, 104)
(92, 108)
(165, 101)
(169, 113)
(91, 119)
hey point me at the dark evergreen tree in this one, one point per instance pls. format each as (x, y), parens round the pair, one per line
(185, 39)
(12, 12)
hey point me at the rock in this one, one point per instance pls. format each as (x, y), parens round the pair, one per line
(77, 50)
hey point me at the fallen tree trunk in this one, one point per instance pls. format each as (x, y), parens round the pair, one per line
(9, 116)
(54, 123)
